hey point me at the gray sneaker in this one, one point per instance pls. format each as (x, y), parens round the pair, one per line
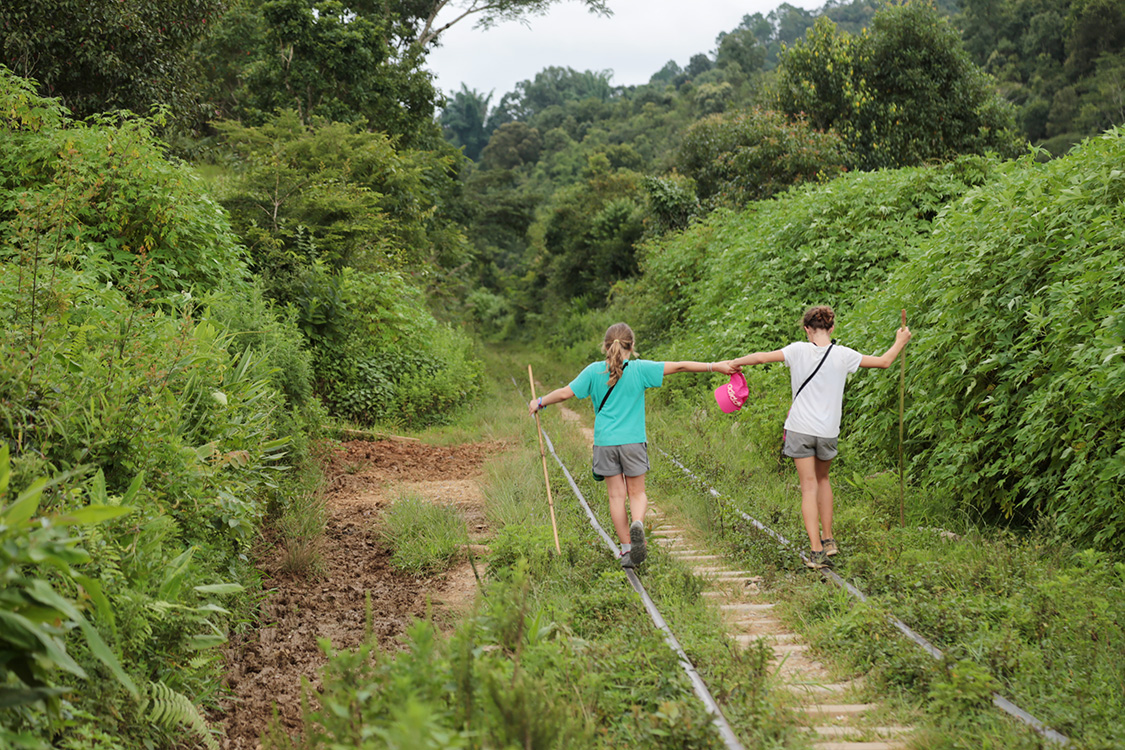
(830, 547)
(817, 560)
(637, 539)
(626, 560)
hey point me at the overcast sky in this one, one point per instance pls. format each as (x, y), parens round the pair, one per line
(634, 42)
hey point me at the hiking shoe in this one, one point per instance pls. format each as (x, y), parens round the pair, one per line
(637, 539)
(626, 560)
(818, 560)
(830, 547)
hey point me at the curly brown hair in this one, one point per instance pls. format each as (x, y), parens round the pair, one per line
(820, 317)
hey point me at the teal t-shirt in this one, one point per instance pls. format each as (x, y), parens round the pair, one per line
(622, 420)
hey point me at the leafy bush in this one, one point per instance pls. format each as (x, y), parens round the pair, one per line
(385, 359)
(1017, 373)
(100, 197)
(738, 282)
(111, 369)
(424, 536)
(902, 94)
(36, 554)
(752, 154)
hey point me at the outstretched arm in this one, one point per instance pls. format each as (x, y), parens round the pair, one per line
(883, 362)
(758, 358)
(721, 367)
(554, 397)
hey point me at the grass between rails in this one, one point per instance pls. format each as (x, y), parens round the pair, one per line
(1022, 612)
(558, 651)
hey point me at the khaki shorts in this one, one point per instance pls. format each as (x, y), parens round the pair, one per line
(630, 459)
(799, 445)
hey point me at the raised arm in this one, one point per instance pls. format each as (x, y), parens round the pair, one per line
(758, 358)
(884, 361)
(724, 368)
(554, 397)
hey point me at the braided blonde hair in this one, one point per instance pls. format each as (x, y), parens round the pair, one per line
(618, 345)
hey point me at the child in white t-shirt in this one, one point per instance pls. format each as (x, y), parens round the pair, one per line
(818, 370)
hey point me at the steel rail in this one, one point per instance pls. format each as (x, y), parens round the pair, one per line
(997, 700)
(730, 739)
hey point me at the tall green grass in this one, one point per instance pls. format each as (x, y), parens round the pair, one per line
(425, 537)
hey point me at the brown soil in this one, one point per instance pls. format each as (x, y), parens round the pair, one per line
(264, 666)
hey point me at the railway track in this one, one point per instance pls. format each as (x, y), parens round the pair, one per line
(830, 711)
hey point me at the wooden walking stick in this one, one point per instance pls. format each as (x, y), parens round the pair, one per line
(901, 400)
(543, 455)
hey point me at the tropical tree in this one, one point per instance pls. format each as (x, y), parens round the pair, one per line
(321, 59)
(101, 55)
(902, 94)
(463, 119)
(750, 155)
(488, 13)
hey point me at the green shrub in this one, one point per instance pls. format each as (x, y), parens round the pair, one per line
(110, 369)
(750, 155)
(902, 93)
(1016, 374)
(384, 359)
(739, 281)
(100, 196)
(424, 537)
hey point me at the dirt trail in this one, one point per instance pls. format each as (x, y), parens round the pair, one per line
(264, 666)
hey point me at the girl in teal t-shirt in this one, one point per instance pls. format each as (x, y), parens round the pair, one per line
(617, 388)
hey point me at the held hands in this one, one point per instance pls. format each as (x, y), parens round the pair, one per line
(726, 367)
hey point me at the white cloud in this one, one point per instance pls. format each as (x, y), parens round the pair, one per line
(634, 43)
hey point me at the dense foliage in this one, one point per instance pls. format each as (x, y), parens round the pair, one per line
(333, 217)
(902, 93)
(1018, 376)
(742, 156)
(143, 366)
(737, 282)
(101, 55)
(123, 383)
(1061, 62)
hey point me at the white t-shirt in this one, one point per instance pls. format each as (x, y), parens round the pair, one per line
(817, 410)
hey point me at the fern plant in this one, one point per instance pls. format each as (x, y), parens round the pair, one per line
(171, 710)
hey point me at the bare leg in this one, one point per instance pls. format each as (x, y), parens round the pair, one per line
(806, 474)
(638, 500)
(824, 498)
(615, 486)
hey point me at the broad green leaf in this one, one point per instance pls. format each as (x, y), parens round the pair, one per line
(94, 590)
(25, 505)
(201, 642)
(91, 514)
(219, 588)
(173, 579)
(10, 697)
(51, 648)
(134, 487)
(106, 656)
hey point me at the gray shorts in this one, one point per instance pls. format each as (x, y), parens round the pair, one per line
(630, 459)
(799, 445)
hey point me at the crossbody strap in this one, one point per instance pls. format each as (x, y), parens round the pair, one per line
(814, 372)
(623, 366)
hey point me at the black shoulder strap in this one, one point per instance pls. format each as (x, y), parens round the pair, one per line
(623, 366)
(814, 372)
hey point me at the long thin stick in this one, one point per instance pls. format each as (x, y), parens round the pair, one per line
(543, 455)
(901, 400)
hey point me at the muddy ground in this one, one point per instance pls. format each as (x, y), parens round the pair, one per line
(264, 665)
